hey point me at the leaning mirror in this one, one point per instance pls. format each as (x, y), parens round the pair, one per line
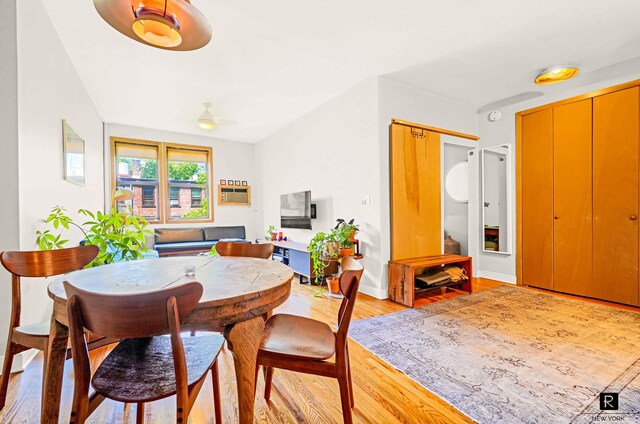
(496, 199)
(73, 151)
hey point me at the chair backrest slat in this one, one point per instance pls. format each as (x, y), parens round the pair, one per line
(45, 263)
(349, 282)
(258, 250)
(124, 316)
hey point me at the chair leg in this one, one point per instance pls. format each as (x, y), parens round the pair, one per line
(345, 399)
(140, 413)
(268, 376)
(215, 379)
(6, 372)
(349, 380)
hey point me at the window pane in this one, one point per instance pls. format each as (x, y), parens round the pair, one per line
(174, 197)
(196, 197)
(188, 180)
(137, 170)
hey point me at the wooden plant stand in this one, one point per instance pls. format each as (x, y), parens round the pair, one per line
(403, 272)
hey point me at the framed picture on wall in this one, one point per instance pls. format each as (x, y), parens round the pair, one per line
(244, 183)
(223, 182)
(73, 154)
(237, 182)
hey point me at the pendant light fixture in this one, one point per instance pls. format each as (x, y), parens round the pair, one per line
(556, 74)
(206, 119)
(165, 24)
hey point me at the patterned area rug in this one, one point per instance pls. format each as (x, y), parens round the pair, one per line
(512, 355)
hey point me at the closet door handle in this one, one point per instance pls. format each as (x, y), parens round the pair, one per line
(633, 217)
(556, 217)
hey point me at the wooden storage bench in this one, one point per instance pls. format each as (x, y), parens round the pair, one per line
(403, 272)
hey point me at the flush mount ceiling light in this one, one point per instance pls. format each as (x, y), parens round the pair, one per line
(166, 24)
(556, 74)
(206, 119)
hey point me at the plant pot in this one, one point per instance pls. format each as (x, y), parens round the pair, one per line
(333, 283)
(352, 236)
(274, 236)
(346, 251)
(331, 249)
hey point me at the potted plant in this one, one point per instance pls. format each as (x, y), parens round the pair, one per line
(324, 248)
(333, 283)
(346, 232)
(353, 228)
(272, 234)
(119, 235)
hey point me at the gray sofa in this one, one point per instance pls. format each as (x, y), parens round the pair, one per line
(190, 241)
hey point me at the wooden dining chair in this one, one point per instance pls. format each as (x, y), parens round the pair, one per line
(145, 366)
(257, 250)
(40, 263)
(305, 345)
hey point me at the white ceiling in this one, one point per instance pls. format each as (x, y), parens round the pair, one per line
(271, 62)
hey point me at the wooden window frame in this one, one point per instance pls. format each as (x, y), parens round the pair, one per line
(163, 203)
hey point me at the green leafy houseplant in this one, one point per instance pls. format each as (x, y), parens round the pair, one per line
(118, 235)
(347, 232)
(323, 248)
(270, 230)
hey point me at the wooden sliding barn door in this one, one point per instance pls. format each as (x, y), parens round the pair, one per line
(537, 199)
(415, 192)
(572, 199)
(615, 195)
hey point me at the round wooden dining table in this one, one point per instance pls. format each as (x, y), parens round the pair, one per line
(238, 293)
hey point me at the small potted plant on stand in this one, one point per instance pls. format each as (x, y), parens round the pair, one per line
(346, 233)
(324, 248)
(272, 234)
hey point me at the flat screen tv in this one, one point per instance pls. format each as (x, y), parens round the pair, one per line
(295, 210)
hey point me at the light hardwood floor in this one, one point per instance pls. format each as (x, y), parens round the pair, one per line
(382, 394)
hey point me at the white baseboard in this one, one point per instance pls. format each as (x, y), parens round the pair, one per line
(21, 360)
(376, 292)
(505, 278)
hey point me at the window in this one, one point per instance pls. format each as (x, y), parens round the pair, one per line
(174, 197)
(148, 197)
(136, 167)
(188, 170)
(170, 182)
(196, 197)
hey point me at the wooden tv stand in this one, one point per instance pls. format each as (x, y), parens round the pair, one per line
(403, 272)
(296, 255)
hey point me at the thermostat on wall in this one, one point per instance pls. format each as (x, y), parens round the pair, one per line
(495, 115)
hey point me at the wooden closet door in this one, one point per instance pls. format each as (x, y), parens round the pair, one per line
(615, 195)
(572, 199)
(537, 199)
(415, 192)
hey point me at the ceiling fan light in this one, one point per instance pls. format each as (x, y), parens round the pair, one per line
(556, 74)
(206, 119)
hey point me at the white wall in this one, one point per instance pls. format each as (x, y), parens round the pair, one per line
(332, 151)
(503, 267)
(48, 90)
(340, 152)
(9, 225)
(231, 160)
(401, 101)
